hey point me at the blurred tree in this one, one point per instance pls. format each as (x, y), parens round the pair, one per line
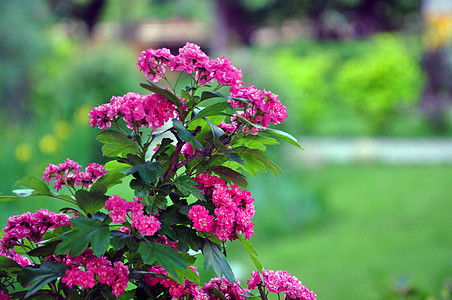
(22, 26)
(367, 17)
(86, 11)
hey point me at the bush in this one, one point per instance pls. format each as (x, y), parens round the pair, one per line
(380, 82)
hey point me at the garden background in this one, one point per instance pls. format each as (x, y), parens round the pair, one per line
(363, 212)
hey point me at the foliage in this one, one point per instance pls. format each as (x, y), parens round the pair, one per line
(353, 87)
(187, 178)
(381, 82)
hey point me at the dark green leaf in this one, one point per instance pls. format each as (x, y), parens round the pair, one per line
(186, 185)
(40, 276)
(149, 172)
(164, 255)
(119, 239)
(187, 238)
(230, 175)
(87, 231)
(35, 184)
(44, 251)
(213, 258)
(211, 94)
(162, 92)
(235, 157)
(212, 110)
(91, 201)
(165, 144)
(184, 134)
(116, 143)
(6, 263)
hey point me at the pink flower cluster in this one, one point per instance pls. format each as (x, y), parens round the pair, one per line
(137, 110)
(192, 60)
(69, 172)
(190, 290)
(4, 296)
(147, 225)
(281, 281)
(264, 107)
(175, 289)
(233, 213)
(84, 269)
(229, 290)
(31, 226)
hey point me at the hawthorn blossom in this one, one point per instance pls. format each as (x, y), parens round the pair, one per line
(86, 269)
(233, 212)
(31, 226)
(119, 208)
(68, 173)
(230, 290)
(281, 281)
(137, 110)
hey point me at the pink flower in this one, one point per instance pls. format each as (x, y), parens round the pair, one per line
(202, 221)
(4, 296)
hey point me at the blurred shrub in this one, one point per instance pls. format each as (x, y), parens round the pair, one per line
(75, 75)
(380, 82)
(349, 87)
(307, 78)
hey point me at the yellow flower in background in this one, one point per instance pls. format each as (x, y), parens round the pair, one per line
(23, 152)
(81, 115)
(48, 144)
(62, 129)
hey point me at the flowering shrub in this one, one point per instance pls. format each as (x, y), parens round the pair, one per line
(188, 180)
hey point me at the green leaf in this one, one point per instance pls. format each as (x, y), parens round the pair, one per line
(87, 231)
(211, 94)
(149, 172)
(278, 133)
(184, 134)
(162, 92)
(44, 251)
(8, 264)
(92, 201)
(116, 143)
(186, 185)
(215, 259)
(231, 175)
(35, 184)
(164, 255)
(251, 252)
(188, 274)
(216, 131)
(253, 156)
(40, 276)
(9, 198)
(119, 239)
(115, 166)
(110, 179)
(212, 110)
(256, 142)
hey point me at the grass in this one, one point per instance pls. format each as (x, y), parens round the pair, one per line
(381, 223)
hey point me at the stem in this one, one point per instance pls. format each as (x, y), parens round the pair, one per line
(172, 165)
(177, 81)
(261, 291)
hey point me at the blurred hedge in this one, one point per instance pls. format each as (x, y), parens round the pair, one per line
(350, 87)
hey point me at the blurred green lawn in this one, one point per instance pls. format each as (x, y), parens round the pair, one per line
(381, 222)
